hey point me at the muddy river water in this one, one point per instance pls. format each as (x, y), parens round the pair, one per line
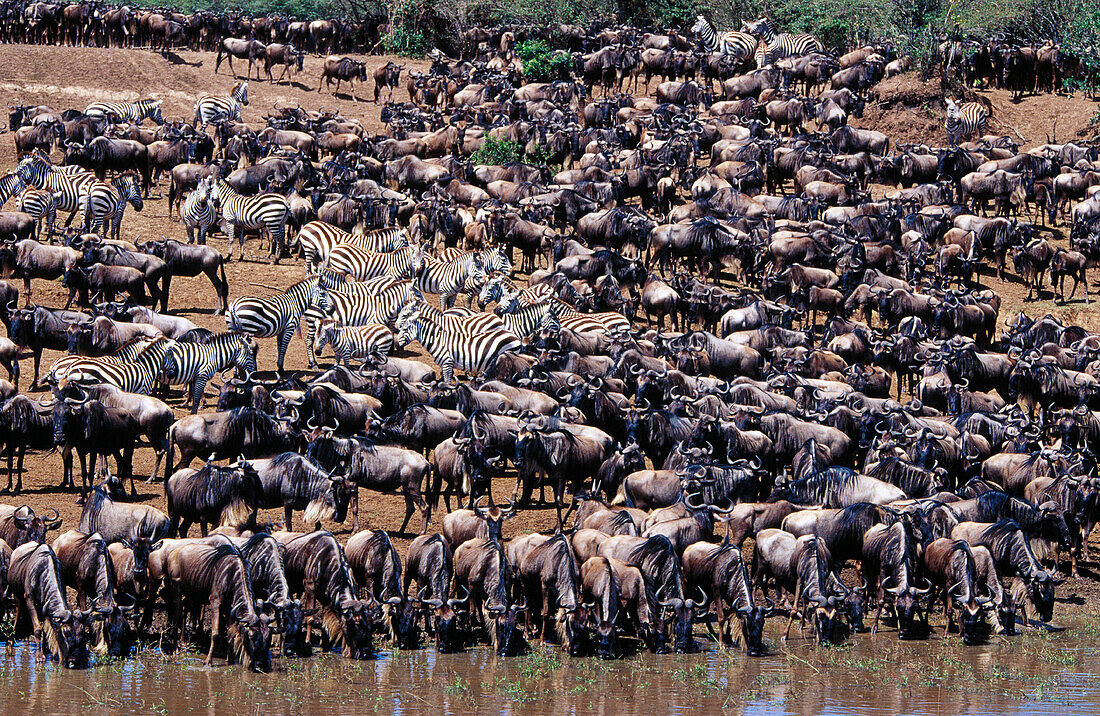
(1033, 673)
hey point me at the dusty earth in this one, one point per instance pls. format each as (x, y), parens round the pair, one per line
(906, 109)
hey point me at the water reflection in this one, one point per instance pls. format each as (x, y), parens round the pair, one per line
(1032, 673)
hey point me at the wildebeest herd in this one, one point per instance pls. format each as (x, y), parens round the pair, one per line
(742, 320)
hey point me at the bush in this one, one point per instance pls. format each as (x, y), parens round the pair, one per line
(503, 151)
(497, 151)
(406, 35)
(540, 64)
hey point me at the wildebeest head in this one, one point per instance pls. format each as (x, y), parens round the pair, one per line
(33, 528)
(752, 629)
(358, 619)
(826, 620)
(680, 616)
(71, 630)
(448, 628)
(289, 621)
(505, 623)
(117, 633)
(251, 632)
(1040, 591)
(1006, 614)
(906, 601)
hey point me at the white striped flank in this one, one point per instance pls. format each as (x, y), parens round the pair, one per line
(131, 112)
(276, 316)
(358, 264)
(354, 342)
(213, 109)
(318, 238)
(450, 350)
(263, 211)
(134, 369)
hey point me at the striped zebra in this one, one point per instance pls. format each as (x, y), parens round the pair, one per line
(571, 319)
(277, 316)
(195, 364)
(474, 354)
(263, 211)
(529, 320)
(964, 120)
(209, 108)
(359, 264)
(132, 112)
(105, 203)
(777, 45)
(355, 307)
(500, 288)
(10, 185)
(736, 46)
(197, 213)
(466, 272)
(42, 205)
(67, 187)
(353, 342)
(458, 320)
(317, 239)
(135, 368)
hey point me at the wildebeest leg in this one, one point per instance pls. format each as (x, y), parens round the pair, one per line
(790, 619)
(215, 626)
(355, 511)
(66, 467)
(878, 612)
(36, 630)
(19, 468)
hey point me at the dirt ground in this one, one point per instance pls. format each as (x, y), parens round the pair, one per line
(907, 109)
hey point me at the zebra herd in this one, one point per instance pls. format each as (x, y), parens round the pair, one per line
(758, 40)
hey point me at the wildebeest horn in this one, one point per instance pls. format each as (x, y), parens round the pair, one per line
(54, 522)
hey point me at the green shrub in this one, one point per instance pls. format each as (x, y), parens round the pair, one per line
(497, 151)
(540, 63)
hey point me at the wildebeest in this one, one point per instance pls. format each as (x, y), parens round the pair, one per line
(293, 482)
(36, 582)
(200, 575)
(213, 495)
(317, 568)
(342, 69)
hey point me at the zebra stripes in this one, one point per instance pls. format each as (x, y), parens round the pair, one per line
(529, 320)
(40, 204)
(68, 187)
(964, 120)
(737, 46)
(196, 363)
(450, 350)
(458, 320)
(209, 108)
(571, 319)
(359, 264)
(500, 288)
(105, 203)
(777, 45)
(357, 304)
(10, 185)
(263, 211)
(276, 316)
(317, 239)
(134, 368)
(197, 213)
(467, 272)
(132, 112)
(356, 342)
